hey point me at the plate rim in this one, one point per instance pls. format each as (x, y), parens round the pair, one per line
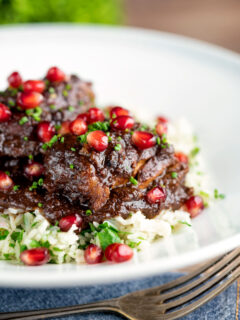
(127, 271)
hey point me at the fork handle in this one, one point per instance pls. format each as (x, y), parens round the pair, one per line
(107, 305)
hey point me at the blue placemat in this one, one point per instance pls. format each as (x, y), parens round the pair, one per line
(221, 308)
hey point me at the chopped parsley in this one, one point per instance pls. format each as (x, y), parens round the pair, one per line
(51, 90)
(65, 93)
(158, 140)
(25, 138)
(3, 233)
(23, 120)
(71, 108)
(57, 126)
(30, 156)
(71, 166)
(35, 113)
(174, 175)
(88, 212)
(185, 222)
(133, 181)
(40, 204)
(218, 195)
(15, 188)
(164, 138)
(52, 107)
(194, 152)
(62, 139)
(11, 103)
(118, 147)
(119, 138)
(17, 236)
(73, 149)
(104, 126)
(68, 87)
(36, 184)
(50, 143)
(82, 138)
(7, 173)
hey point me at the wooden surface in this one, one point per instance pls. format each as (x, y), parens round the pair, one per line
(215, 21)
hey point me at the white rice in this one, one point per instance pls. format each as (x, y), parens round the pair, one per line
(28, 230)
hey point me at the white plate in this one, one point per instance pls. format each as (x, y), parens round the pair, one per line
(155, 73)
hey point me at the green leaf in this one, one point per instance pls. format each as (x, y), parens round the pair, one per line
(3, 233)
(17, 236)
(107, 236)
(35, 244)
(185, 222)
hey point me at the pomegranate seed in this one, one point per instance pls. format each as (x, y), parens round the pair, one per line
(162, 119)
(94, 115)
(122, 123)
(5, 181)
(54, 74)
(34, 169)
(64, 128)
(194, 205)
(5, 113)
(45, 131)
(182, 157)
(83, 116)
(161, 128)
(98, 140)
(29, 100)
(35, 257)
(93, 254)
(15, 80)
(143, 139)
(34, 85)
(118, 111)
(78, 127)
(118, 252)
(156, 195)
(66, 222)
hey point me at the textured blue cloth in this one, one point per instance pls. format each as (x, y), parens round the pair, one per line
(221, 308)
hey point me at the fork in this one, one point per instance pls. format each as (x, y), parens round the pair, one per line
(168, 301)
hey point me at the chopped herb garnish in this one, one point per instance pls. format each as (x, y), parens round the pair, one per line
(109, 139)
(23, 120)
(7, 173)
(35, 244)
(57, 126)
(194, 152)
(158, 140)
(11, 103)
(68, 87)
(62, 139)
(35, 113)
(12, 245)
(33, 186)
(104, 126)
(143, 127)
(50, 143)
(118, 147)
(15, 188)
(174, 175)
(40, 182)
(73, 149)
(204, 194)
(88, 212)
(71, 108)
(25, 138)
(40, 204)
(30, 157)
(82, 138)
(218, 195)
(3, 233)
(23, 247)
(71, 166)
(52, 106)
(51, 90)
(119, 138)
(164, 138)
(133, 181)
(17, 236)
(185, 222)
(65, 93)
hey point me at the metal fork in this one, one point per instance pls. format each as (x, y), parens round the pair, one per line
(169, 301)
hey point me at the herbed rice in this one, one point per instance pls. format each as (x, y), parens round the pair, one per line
(25, 230)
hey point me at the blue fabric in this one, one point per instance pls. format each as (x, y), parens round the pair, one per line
(221, 308)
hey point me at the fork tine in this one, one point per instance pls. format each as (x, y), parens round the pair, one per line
(180, 280)
(187, 298)
(205, 275)
(196, 304)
